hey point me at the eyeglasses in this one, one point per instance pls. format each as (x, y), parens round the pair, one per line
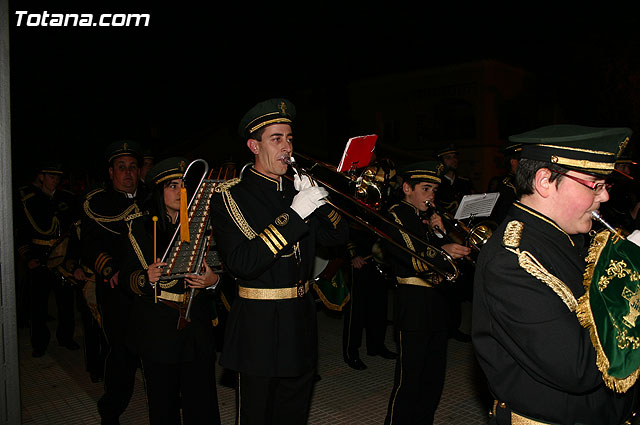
(596, 187)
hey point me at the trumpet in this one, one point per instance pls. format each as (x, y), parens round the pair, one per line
(596, 216)
(450, 274)
(475, 236)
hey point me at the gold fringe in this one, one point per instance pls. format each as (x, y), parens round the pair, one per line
(585, 317)
(329, 304)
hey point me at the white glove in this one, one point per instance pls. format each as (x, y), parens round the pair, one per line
(307, 200)
(302, 183)
(634, 237)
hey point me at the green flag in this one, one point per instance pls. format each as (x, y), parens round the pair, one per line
(610, 308)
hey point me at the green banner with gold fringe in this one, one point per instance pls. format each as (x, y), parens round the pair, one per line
(331, 287)
(611, 306)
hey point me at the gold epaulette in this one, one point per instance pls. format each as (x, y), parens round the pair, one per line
(526, 260)
(27, 196)
(226, 185)
(512, 234)
(93, 192)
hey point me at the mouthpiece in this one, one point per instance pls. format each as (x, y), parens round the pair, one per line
(595, 215)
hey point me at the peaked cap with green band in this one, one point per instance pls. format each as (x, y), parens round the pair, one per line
(51, 167)
(445, 151)
(167, 170)
(123, 148)
(591, 150)
(271, 111)
(425, 171)
(610, 308)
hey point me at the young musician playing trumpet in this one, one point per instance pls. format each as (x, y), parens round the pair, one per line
(539, 360)
(421, 314)
(178, 364)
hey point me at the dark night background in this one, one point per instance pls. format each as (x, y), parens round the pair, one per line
(198, 67)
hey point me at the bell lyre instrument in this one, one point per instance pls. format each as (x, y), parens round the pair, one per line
(365, 215)
(183, 257)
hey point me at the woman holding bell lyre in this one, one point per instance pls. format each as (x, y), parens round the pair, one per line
(177, 352)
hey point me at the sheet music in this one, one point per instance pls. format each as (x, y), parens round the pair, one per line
(357, 152)
(476, 205)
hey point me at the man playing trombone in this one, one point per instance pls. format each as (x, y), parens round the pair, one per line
(539, 360)
(266, 229)
(420, 307)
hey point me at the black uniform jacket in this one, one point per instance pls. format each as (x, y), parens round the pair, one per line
(46, 226)
(508, 195)
(450, 193)
(104, 211)
(154, 333)
(536, 356)
(265, 244)
(417, 308)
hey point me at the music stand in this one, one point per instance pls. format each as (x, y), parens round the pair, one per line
(476, 205)
(357, 152)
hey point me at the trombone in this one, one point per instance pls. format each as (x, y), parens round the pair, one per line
(449, 275)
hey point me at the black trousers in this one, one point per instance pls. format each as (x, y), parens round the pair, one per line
(121, 362)
(419, 377)
(190, 386)
(274, 401)
(95, 342)
(42, 282)
(367, 309)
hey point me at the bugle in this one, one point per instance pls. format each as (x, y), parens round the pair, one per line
(473, 236)
(450, 274)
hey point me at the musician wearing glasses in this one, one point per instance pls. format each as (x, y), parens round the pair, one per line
(421, 313)
(178, 355)
(540, 362)
(266, 229)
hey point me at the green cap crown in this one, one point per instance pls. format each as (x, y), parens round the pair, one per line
(445, 151)
(51, 167)
(123, 148)
(167, 169)
(591, 150)
(272, 111)
(425, 171)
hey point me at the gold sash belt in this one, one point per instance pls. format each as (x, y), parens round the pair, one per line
(414, 281)
(50, 242)
(170, 296)
(273, 293)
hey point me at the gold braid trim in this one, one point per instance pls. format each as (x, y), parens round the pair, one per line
(226, 185)
(168, 285)
(136, 247)
(225, 302)
(407, 239)
(55, 224)
(585, 317)
(104, 218)
(532, 266)
(236, 214)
